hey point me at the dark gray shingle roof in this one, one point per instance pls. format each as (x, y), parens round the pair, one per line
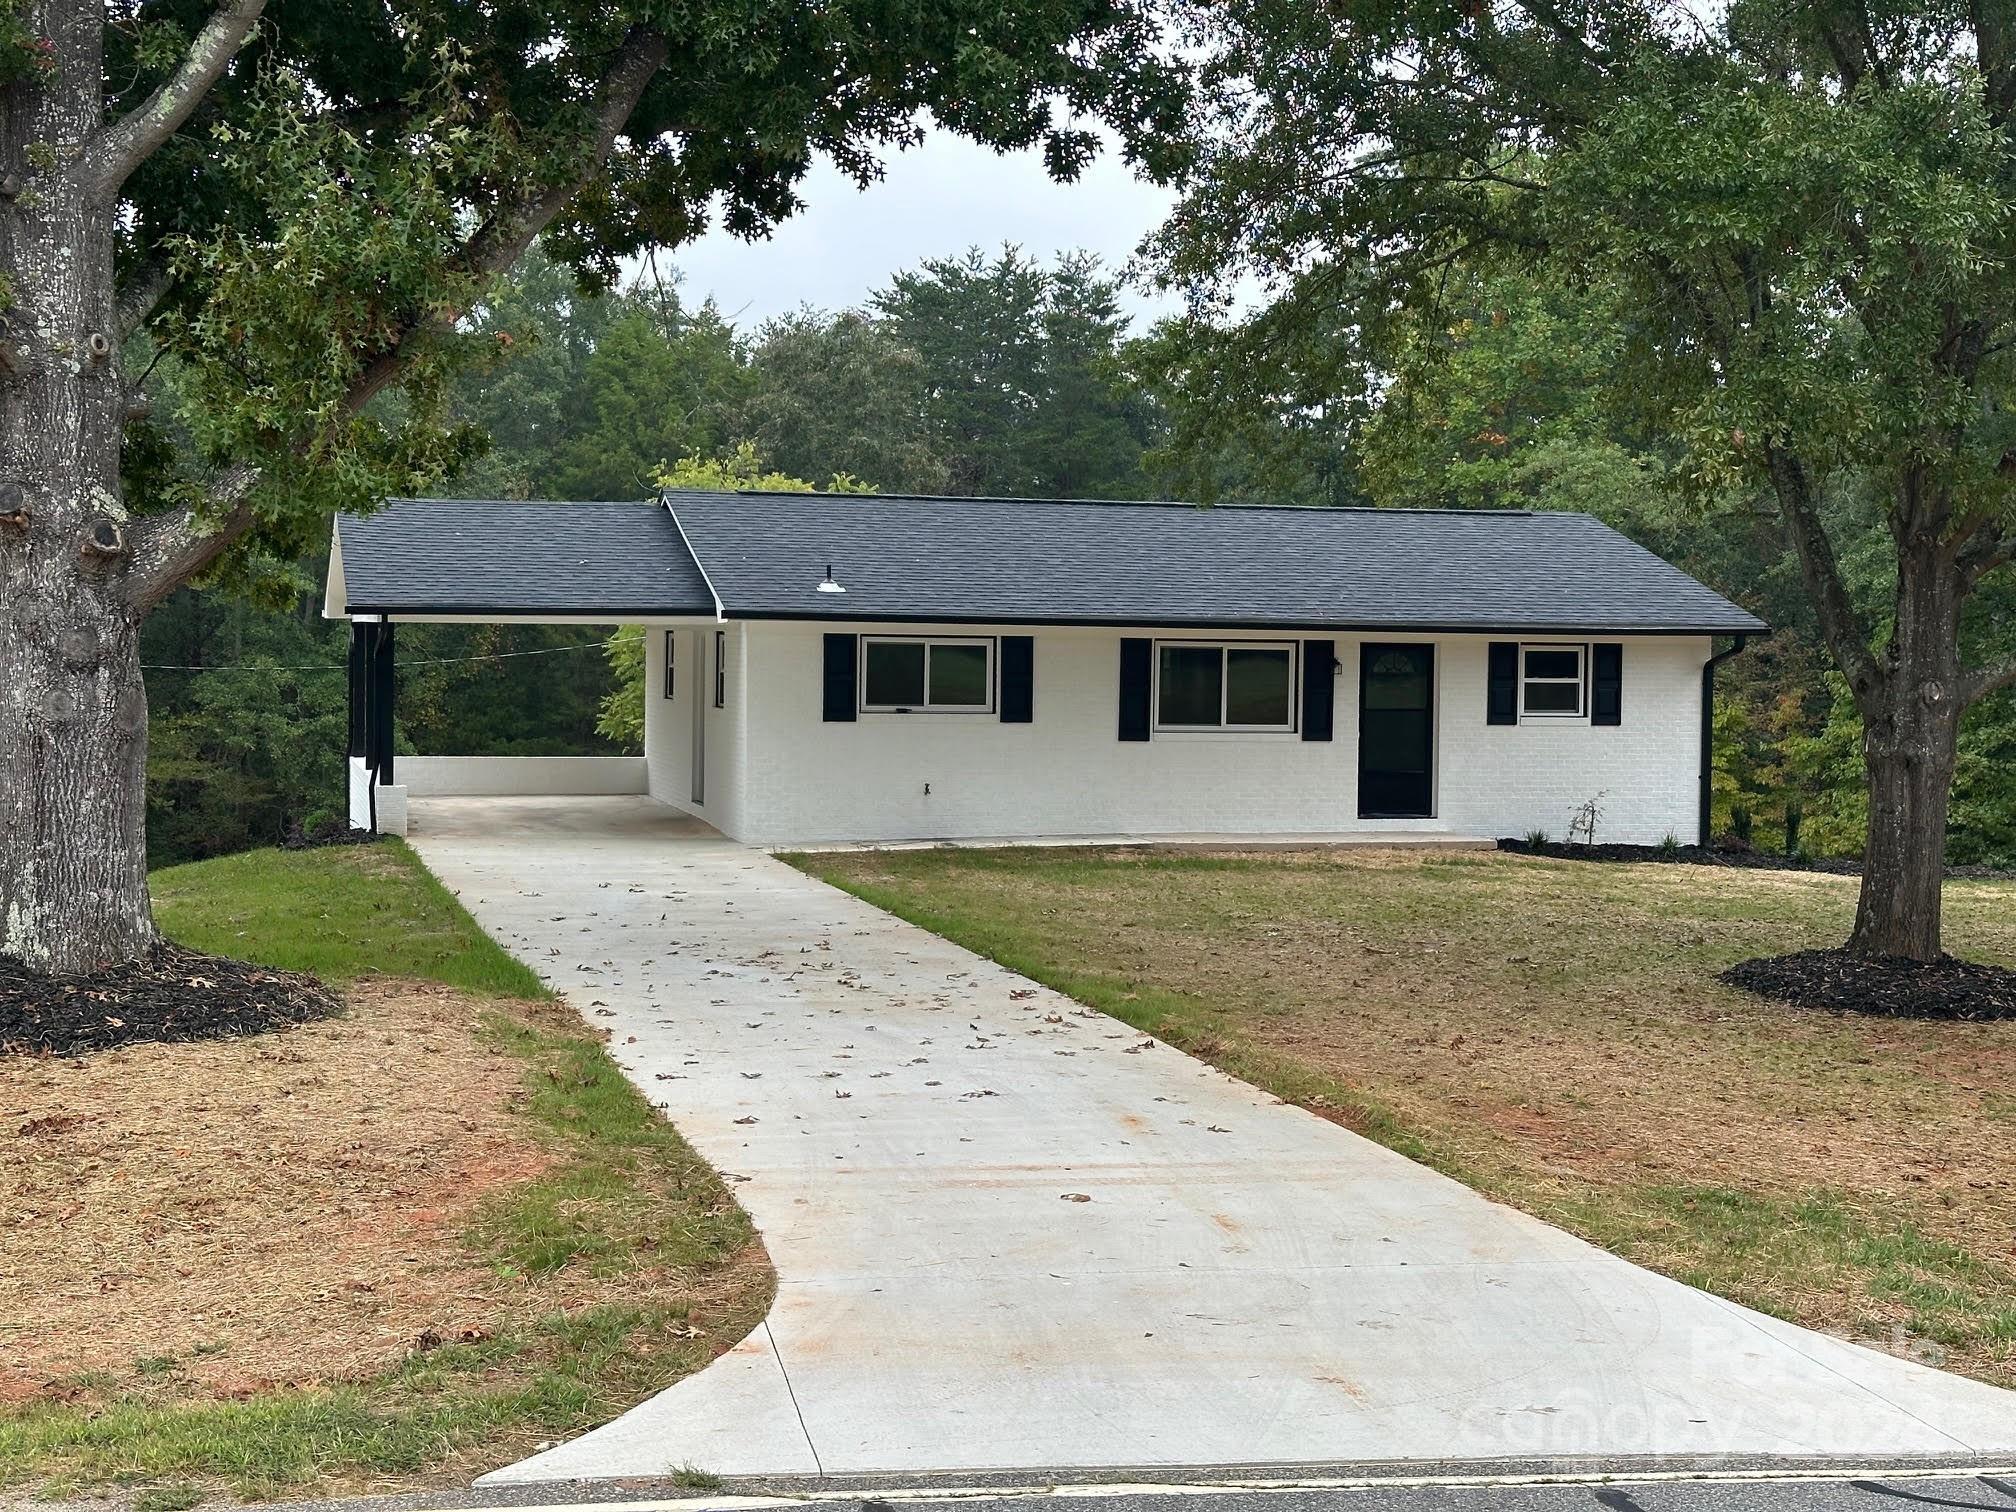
(1023, 561)
(497, 556)
(1034, 561)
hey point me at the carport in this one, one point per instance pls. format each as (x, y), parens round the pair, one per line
(456, 561)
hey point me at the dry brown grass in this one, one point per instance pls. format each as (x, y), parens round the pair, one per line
(271, 1211)
(1553, 1033)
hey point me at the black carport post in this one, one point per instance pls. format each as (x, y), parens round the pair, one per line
(360, 653)
(373, 678)
(384, 684)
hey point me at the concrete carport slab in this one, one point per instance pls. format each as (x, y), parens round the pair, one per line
(1010, 1232)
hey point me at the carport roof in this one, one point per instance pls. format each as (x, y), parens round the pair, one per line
(1023, 561)
(515, 557)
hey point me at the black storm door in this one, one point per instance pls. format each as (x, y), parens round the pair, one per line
(1396, 732)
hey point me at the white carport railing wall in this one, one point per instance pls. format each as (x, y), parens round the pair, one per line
(379, 791)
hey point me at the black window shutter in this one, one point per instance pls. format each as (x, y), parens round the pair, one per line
(1319, 688)
(1501, 706)
(1137, 657)
(840, 654)
(1606, 687)
(1018, 679)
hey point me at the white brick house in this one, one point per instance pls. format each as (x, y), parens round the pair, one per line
(831, 669)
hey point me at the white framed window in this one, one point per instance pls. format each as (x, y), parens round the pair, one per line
(671, 662)
(1225, 685)
(1553, 682)
(927, 674)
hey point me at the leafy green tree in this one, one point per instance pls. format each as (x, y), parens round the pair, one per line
(1799, 215)
(978, 326)
(1264, 410)
(251, 727)
(660, 383)
(622, 716)
(531, 337)
(1022, 374)
(1091, 427)
(302, 204)
(842, 393)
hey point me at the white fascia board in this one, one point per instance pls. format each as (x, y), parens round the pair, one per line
(720, 614)
(335, 602)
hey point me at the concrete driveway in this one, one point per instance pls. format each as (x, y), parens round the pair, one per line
(1010, 1232)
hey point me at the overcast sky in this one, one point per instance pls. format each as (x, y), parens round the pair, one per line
(937, 200)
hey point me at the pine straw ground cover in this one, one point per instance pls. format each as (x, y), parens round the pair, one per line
(1553, 1033)
(376, 1251)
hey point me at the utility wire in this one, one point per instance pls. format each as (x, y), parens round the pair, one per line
(432, 661)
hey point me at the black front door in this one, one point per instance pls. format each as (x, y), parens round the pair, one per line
(1396, 732)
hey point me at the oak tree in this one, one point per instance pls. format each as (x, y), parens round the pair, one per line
(1800, 216)
(296, 203)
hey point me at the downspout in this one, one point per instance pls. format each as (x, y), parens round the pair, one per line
(720, 615)
(1708, 732)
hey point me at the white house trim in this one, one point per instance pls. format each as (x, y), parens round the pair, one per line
(720, 614)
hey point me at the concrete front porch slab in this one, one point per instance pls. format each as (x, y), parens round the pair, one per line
(1011, 1232)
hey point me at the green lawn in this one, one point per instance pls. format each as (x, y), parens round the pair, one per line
(625, 1221)
(1551, 1032)
(341, 912)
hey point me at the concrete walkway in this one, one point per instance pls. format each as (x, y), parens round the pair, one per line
(1011, 1232)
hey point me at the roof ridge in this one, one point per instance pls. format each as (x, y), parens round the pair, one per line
(1191, 504)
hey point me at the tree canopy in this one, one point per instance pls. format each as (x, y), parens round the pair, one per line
(1796, 220)
(292, 207)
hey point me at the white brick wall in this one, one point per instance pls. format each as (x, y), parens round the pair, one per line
(668, 723)
(806, 781)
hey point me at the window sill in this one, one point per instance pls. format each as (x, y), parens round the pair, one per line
(1192, 732)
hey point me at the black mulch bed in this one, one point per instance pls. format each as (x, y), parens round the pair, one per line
(1886, 986)
(175, 994)
(1733, 854)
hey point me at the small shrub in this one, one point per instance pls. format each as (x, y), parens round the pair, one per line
(1536, 838)
(1582, 824)
(1670, 846)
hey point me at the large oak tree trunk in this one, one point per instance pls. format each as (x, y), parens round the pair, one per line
(1911, 735)
(1910, 765)
(73, 712)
